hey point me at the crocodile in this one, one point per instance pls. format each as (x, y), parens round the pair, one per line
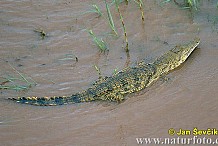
(126, 81)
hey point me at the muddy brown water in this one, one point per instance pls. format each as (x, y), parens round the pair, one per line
(189, 99)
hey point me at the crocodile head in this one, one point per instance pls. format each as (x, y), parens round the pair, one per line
(175, 56)
(183, 51)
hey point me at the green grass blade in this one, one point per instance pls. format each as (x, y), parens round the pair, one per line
(99, 42)
(97, 10)
(14, 83)
(110, 19)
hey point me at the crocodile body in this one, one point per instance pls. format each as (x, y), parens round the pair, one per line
(128, 80)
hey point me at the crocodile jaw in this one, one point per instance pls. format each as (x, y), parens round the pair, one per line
(187, 49)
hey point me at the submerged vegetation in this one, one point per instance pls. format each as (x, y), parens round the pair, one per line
(187, 4)
(140, 3)
(124, 27)
(98, 71)
(41, 32)
(16, 82)
(95, 9)
(110, 19)
(69, 57)
(99, 42)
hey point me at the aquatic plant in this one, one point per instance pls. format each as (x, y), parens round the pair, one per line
(99, 42)
(42, 33)
(192, 4)
(140, 3)
(119, 1)
(95, 9)
(110, 19)
(187, 4)
(124, 28)
(98, 70)
(69, 57)
(19, 83)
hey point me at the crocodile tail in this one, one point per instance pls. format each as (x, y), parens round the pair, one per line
(50, 101)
